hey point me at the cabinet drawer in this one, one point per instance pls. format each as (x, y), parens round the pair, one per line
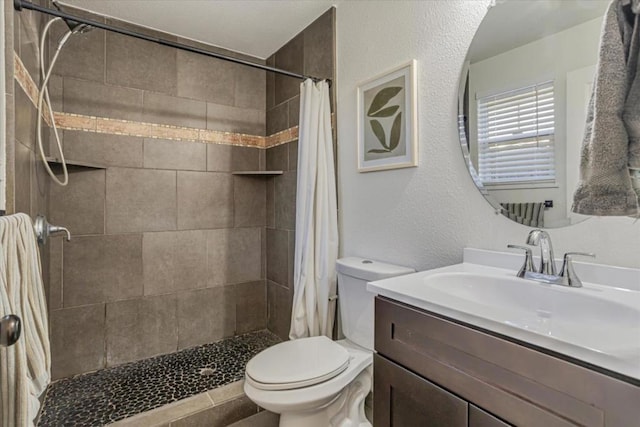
(403, 399)
(479, 418)
(518, 384)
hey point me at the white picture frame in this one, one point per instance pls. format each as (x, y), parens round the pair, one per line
(387, 120)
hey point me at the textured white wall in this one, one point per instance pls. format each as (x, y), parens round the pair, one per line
(423, 217)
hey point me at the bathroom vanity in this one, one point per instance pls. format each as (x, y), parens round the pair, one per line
(437, 366)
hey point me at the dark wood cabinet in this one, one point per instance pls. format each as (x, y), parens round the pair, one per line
(479, 418)
(406, 399)
(435, 371)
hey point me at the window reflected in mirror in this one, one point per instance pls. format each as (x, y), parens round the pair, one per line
(523, 99)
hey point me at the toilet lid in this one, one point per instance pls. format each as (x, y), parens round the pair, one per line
(298, 363)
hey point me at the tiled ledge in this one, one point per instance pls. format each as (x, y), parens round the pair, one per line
(214, 403)
(106, 125)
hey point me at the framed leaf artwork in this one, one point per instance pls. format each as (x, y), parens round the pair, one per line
(387, 123)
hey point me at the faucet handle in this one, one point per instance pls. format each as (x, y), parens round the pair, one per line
(568, 274)
(528, 260)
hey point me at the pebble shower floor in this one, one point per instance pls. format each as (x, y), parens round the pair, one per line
(112, 394)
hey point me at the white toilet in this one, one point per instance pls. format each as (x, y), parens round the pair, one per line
(317, 382)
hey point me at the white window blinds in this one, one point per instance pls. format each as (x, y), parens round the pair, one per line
(516, 136)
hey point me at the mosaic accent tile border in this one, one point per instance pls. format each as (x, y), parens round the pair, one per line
(106, 125)
(113, 394)
(22, 76)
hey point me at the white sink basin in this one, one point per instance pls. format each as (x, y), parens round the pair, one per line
(597, 324)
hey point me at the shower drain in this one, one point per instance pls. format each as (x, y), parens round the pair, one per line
(207, 372)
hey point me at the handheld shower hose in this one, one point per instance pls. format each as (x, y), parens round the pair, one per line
(44, 94)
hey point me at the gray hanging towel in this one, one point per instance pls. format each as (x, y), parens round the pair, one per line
(611, 145)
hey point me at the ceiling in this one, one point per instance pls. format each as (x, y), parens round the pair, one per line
(513, 23)
(254, 27)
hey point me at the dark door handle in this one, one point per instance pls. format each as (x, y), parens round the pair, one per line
(10, 328)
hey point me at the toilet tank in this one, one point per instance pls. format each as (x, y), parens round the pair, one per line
(355, 302)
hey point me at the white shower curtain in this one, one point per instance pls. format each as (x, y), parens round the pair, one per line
(316, 249)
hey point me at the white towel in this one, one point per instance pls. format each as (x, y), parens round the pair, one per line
(25, 367)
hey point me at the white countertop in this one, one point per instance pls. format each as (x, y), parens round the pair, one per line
(598, 324)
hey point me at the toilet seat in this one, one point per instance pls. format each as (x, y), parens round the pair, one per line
(296, 364)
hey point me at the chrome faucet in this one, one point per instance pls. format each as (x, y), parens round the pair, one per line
(547, 271)
(547, 262)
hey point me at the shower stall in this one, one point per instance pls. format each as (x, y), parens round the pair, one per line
(180, 201)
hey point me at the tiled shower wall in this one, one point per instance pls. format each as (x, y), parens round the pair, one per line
(312, 52)
(26, 178)
(167, 248)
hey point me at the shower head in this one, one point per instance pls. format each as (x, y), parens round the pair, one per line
(74, 26)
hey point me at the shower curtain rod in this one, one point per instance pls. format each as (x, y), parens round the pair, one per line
(22, 4)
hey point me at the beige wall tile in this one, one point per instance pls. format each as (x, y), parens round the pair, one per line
(139, 328)
(251, 306)
(220, 415)
(279, 300)
(205, 78)
(54, 284)
(271, 84)
(250, 88)
(79, 206)
(234, 255)
(291, 259)
(77, 340)
(245, 159)
(278, 158)
(39, 185)
(55, 92)
(285, 200)
(102, 268)
(25, 119)
(102, 100)
(181, 155)
(277, 118)
(293, 155)
(249, 199)
(277, 256)
(22, 177)
(227, 158)
(140, 64)
(140, 200)
(28, 30)
(319, 46)
(261, 419)
(83, 54)
(294, 111)
(290, 57)
(270, 204)
(205, 200)
(220, 157)
(163, 415)
(206, 315)
(233, 119)
(227, 392)
(171, 110)
(174, 261)
(103, 149)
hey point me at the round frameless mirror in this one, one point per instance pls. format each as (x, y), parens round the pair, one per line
(523, 98)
